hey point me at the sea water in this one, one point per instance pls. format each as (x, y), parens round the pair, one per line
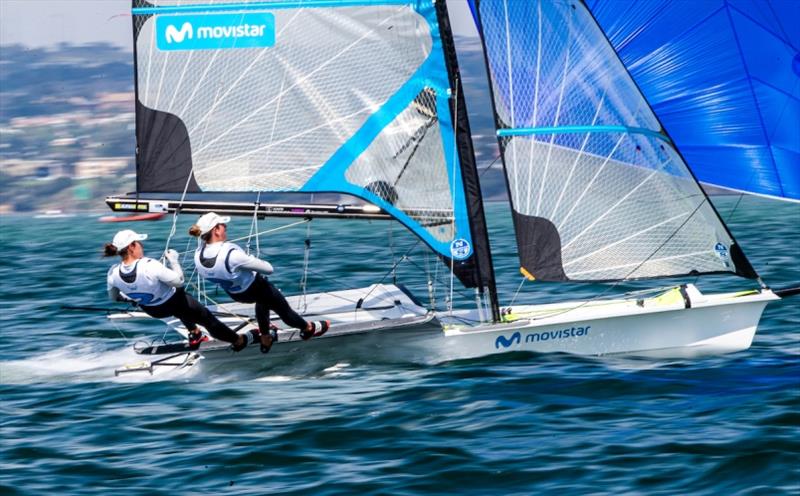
(517, 423)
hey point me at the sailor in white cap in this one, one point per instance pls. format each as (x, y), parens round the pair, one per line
(159, 290)
(242, 276)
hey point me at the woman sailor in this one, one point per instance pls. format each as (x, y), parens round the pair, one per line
(240, 275)
(159, 290)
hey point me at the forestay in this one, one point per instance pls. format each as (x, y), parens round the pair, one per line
(353, 97)
(598, 190)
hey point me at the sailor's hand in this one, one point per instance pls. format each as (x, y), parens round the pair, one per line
(172, 256)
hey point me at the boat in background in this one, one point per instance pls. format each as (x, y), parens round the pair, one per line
(53, 214)
(133, 217)
(373, 107)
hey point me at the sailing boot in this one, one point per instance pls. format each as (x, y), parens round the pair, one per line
(248, 338)
(317, 329)
(268, 339)
(196, 337)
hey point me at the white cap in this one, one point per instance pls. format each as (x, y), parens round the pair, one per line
(209, 221)
(123, 238)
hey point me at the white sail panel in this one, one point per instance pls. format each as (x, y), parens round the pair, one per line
(267, 119)
(598, 191)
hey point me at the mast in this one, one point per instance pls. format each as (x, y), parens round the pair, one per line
(469, 171)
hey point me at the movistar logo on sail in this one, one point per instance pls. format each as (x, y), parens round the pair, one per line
(215, 31)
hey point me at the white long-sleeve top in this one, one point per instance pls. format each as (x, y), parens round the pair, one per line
(229, 266)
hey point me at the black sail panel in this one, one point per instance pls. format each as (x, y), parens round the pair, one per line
(163, 154)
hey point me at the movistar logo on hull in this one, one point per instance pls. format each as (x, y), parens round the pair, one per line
(215, 31)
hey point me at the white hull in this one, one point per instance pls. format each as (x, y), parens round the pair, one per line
(389, 326)
(715, 324)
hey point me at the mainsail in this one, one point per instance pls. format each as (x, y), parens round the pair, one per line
(355, 97)
(598, 190)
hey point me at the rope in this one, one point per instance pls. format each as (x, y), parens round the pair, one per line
(306, 258)
(254, 227)
(222, 307)
(177, 212)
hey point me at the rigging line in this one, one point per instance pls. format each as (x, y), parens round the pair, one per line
(306, 259)
(461, 292)
(301, 80)
(671, 257)
(617, 283)
(222, 307)
(391, 247)
(517, 292)
(118, 329)
(485, 169)
(394, 266)
(177, 212)
(268, 231)
(254, 226)
(417, 144)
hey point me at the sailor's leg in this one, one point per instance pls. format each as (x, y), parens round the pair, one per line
(262, 316)
(193, 310)
(273, 299)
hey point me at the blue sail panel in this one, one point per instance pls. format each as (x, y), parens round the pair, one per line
(724, 79)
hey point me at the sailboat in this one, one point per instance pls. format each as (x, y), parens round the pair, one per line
(364, 98)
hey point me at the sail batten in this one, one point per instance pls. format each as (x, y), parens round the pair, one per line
(579, 129)
(598, 190)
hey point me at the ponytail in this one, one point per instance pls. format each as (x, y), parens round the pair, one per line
(109, 250)
(197, 233)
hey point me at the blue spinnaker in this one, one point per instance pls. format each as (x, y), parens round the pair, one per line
(723, 77)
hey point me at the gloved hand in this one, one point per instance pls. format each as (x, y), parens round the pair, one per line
(172, 256)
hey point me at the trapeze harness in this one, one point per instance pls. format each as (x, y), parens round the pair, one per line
(139, 284)
(218, 270)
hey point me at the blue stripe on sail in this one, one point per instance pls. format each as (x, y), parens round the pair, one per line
(189, 9)
(433, 74)
(526, 131)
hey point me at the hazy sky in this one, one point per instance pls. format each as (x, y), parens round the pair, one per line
(49, 22)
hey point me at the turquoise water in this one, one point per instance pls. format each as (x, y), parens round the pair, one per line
(511, 424)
